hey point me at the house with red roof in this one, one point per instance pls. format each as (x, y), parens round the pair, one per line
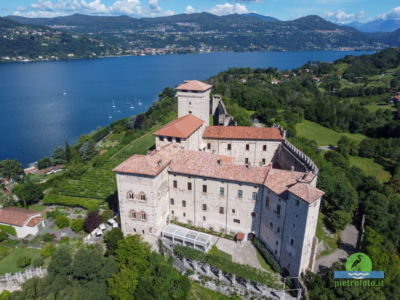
(26, 222)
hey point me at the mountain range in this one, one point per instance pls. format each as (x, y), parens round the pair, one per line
(205, 32)
(379, 25)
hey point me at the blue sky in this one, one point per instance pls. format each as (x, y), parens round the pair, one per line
(342, 11)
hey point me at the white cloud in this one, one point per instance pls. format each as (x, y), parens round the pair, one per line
(190, 9)
(52, 8)
(228, 8)
(393, 14)
(340, 16)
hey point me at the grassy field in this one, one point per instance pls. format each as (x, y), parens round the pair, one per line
(323, 135)
(370, 168)
(197, 292)
(331, 242)
(215, 251)
(9, 263)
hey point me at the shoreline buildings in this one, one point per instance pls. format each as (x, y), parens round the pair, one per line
(232, 179)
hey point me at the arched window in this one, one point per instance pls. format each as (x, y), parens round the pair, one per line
(143, 196)
(144, 217)
(130, 195)
(133, 214)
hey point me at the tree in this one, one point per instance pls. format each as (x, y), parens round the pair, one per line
(77, 224)
(111, 239)
(12, 169)
(29, 193)
(107, 214)
(88, 150)
(3, 235)
(68, 152)
(44, 163)
(60, 264)
(7, 200)
(59, 156)
(92, 221)
(62, 221)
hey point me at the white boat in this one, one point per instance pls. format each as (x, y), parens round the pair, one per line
(65, 93)
(110, 117)
(113, 106)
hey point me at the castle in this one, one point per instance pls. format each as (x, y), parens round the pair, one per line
(232, 179)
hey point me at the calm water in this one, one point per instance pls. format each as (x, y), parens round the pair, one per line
(43, 105)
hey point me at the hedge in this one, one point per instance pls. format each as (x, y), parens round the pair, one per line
(226, 266)
(267, 255)
(8, 229)
(87, 203)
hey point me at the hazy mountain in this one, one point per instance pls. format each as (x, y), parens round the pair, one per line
(378, 25)
(262, 17)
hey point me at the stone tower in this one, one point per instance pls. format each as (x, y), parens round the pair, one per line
(194, 98)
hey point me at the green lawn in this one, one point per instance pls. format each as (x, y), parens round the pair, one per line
(9, 263)
(323, 135)
(215, 251)
(331, 242)
(374, 107)
(370, 168)
(263, 263)
(197, 292)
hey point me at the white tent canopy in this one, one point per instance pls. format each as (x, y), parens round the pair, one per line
(186, 237)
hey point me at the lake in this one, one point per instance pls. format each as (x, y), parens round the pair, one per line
(44, 105)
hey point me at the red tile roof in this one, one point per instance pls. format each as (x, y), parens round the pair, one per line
(182, 127)
(194, 85)
(34, 221)
(17, 216)
(242, 132)
(210, 165)
(306, 192)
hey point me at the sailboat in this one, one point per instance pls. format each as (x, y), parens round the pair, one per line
(113, 106)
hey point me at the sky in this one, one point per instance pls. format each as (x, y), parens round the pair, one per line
(340, 11)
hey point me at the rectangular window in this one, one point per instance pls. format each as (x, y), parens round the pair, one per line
(236, 221)
(267, 202)
(172, 201)
(278, 210)
(189, 186)
(204, 206)
(184, 214)
(233, 211)
(161, 138)
(254, 196)
(297, 202)
(169, 139)
(229, 147)
(247, 147)
(221, 191)
(278, 230)
(221, 210)
(175, 184)
(144, 217)
(204, 188)
(208, 146)
(240, 193)
(246, 161)
(265, 148)
(263, 161)
(204, 218)
(253, 214)
(271, 225)
(183, 203)
(292, 242)
(178, 140)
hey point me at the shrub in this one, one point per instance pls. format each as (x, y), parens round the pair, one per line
(47, 250)
(267, 255)
(3, 235)
(38, 262)
(77, 225)
(8, 229)
(62, 221)
(92, 221)
(87, 203)
(23, 261)
(106, 215)
(47, 237)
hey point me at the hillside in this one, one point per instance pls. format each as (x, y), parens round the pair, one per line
(379, 25)
(26, 42)
(205, 32)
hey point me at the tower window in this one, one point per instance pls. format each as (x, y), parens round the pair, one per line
(208, 146)
(204, 218)
(189, 186)
(190, 112)
(265, 148)
(183, 203)
(161, 138)
(271, 225)
(254, 196)
(204, 188)
(175, 184)
(204, 206)
(221, 210)
(246, 161)
(221, 191)
(278, 210)
(291, 241)
(247, 147)
(240, 193)
(172, 201)
(229, 147)
(169, 139)
(178, 140)
(253, 214)
(267, 202)
(263, 161)
(236, 221)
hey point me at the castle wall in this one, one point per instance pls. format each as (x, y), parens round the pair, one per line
(260, 152)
